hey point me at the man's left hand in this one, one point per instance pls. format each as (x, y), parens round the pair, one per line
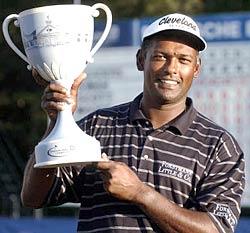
(119, 180)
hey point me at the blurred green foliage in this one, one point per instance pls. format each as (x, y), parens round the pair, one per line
(20, 115)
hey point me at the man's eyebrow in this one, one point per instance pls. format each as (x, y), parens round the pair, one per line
(175, 54)
(186, 55)
(180, 53)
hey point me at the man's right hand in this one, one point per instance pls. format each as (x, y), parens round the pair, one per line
(55, 95)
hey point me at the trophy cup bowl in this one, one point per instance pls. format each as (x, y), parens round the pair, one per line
(58, 40)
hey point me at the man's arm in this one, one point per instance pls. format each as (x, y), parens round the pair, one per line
(37, 182)
(170, 217)
(121, 182)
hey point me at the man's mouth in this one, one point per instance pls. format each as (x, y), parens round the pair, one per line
(168, 81)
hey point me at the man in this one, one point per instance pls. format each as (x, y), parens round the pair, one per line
(166, 168)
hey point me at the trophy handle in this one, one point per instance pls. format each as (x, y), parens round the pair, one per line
(107, 27)
(5, 27)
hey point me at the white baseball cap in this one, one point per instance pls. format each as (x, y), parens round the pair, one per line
(178, 23)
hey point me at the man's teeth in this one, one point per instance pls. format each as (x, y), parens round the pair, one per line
(172, 82)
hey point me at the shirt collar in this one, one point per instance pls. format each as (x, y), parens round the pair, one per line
(179, 125)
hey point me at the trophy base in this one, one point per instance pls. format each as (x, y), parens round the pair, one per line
(55, 164)
(66, 152)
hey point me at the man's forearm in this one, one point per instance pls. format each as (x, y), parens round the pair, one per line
(170, 217)
(36, 184)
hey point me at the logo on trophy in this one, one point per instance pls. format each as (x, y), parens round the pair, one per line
(58, 42)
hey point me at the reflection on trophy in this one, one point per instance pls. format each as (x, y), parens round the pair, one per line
(58, 43)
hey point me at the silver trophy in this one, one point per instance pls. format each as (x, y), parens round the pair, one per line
(58, 43)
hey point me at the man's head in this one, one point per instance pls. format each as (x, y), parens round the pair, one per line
(169, 58)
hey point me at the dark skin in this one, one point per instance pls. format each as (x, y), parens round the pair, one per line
(169, 67)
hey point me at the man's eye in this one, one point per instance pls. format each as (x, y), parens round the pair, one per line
(184, 60)
(159, 57)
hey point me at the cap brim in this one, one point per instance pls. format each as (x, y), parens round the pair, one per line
(190, 39)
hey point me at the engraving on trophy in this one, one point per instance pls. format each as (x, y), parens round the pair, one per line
(52, 35)
(55, 72)
(57, 151)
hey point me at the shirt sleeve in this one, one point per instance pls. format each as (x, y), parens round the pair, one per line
(66, 187)
(223, 184)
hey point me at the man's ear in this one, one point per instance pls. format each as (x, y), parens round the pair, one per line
(197, 68)
(140, 60)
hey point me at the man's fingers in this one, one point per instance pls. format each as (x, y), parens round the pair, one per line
(105, 157)
(43, 83)
(56, 87)
(77, 82)
(52, 106)
(56, 93)
(105, 164)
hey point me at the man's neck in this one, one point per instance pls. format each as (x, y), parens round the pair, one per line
(160, 115)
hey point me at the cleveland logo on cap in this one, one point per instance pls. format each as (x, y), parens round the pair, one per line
(180, 24)
(180, 21)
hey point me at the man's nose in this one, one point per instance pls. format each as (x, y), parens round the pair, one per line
(171, 65)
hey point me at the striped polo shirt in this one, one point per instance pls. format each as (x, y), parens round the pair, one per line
(191, 161)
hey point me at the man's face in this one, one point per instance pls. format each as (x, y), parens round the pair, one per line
(169, 67)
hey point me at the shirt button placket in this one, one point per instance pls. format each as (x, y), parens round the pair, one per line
(144, 165)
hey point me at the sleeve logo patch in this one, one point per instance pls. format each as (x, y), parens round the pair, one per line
(225, 212)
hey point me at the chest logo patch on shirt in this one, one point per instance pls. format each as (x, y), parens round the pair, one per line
(176, 171)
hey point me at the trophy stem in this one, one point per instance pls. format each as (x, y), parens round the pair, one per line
(66, 144)
(63, 125)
